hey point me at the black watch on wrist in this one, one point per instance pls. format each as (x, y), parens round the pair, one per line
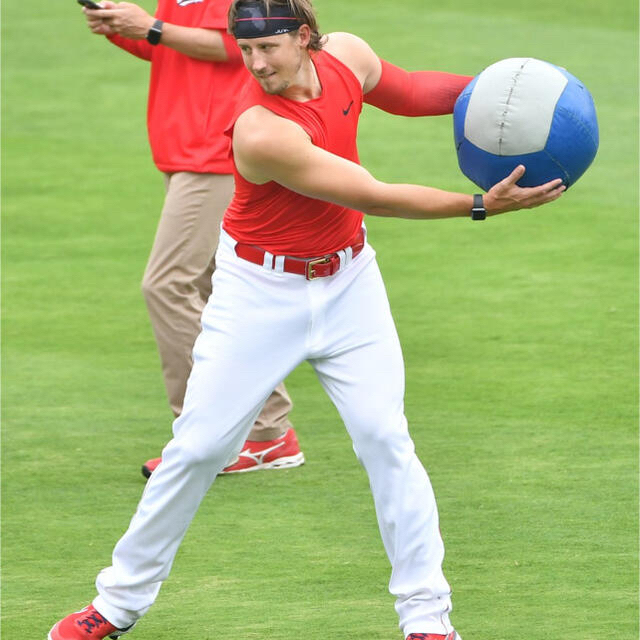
(478, 212)
(155, 33)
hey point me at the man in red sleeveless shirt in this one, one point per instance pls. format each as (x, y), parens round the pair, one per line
(296, 277)
(196, 74)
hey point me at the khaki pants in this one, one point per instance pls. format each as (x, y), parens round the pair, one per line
(177, 284)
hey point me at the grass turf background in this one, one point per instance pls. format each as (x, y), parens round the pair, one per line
(519, 336)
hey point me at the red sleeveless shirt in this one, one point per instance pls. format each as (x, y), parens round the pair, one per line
(276, 218)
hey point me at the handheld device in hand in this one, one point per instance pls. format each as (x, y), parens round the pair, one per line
(89, 4)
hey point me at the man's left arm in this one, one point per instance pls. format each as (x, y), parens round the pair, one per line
(416, 93)
(392, 89)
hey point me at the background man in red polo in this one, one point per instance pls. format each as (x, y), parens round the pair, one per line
(196, 72)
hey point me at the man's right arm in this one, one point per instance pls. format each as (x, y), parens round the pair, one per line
(268, 147)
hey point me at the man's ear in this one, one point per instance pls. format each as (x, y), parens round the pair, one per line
(304, 36)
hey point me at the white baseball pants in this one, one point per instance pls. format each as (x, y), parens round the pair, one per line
(257, 327)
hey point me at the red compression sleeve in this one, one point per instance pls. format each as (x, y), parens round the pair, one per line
(416, 93)
(231, 46)
(140, 48)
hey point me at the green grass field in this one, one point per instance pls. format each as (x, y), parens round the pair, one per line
(520, 340)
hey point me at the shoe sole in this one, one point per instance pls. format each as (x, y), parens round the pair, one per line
(280, 463)
(111, 637)
(287, 462)
(455, 636)
(114, 637)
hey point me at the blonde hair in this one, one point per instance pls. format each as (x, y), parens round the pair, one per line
(300, 9)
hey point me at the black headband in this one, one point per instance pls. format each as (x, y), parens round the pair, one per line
(252, 21)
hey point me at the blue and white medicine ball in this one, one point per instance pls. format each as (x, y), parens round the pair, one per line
(525, 111)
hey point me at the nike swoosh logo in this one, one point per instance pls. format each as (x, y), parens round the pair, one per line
(346, 111)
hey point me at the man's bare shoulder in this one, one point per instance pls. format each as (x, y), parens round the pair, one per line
(262, 139)
(347, 47)
(339, 40)
(355, 53)
(259, 130)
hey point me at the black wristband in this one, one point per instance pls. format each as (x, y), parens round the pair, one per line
(478, 212)
(155, 33)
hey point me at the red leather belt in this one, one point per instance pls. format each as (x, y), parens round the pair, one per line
(310, 268)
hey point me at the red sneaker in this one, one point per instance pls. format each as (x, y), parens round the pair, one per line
(281, 453)
(87, 624)
(433, 636)
(150, 466)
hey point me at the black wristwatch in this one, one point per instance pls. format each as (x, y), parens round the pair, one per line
(155, 33)
(478, 212)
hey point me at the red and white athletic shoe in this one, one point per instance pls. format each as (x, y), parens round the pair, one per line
(87, 624)
(281, 453)
(433, 636)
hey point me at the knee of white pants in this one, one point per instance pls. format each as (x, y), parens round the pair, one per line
(206, 437)
(381, 441)
(191, 455)
(212, 451)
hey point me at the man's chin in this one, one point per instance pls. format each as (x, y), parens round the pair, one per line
(272, 88)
